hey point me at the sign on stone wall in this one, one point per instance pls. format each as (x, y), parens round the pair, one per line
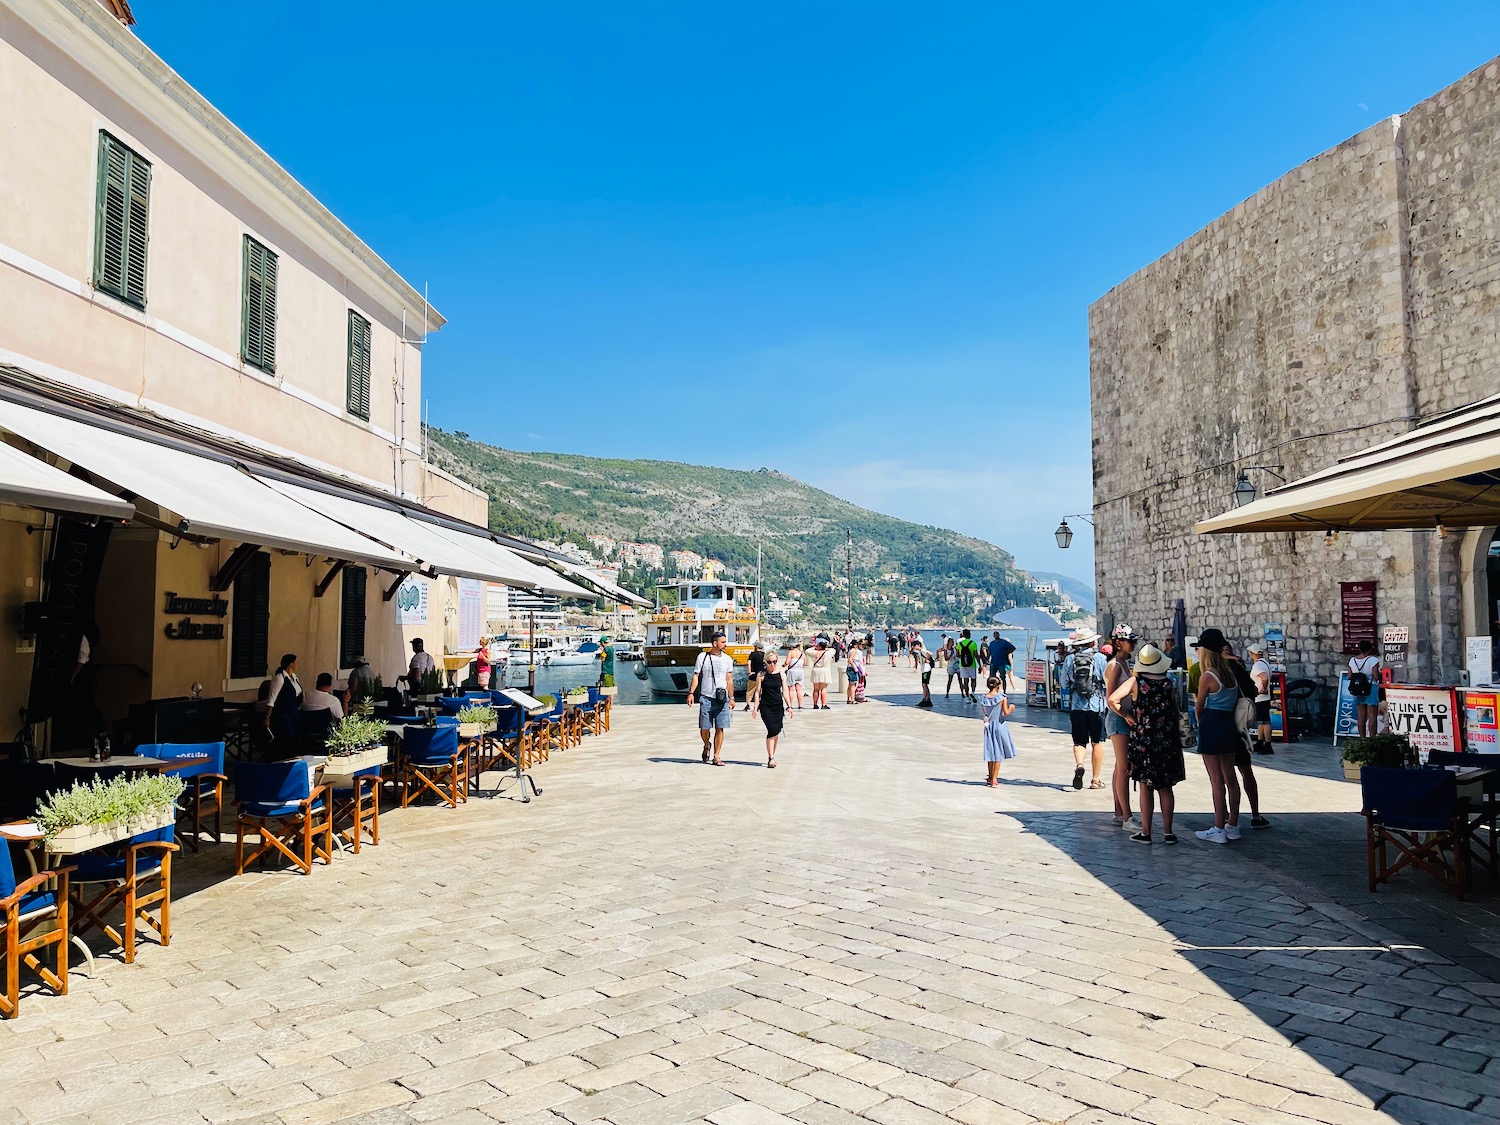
(1394, 641)
(1479, 659)
(411, 601)
(1358, 600)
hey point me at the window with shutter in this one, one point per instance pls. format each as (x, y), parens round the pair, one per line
(258, 335)
(250, 620)
(359, 366)
(122, 222)
(352, 617)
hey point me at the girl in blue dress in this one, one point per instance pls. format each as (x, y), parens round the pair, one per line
(998, 746)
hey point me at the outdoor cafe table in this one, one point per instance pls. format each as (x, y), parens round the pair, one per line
(135, 762)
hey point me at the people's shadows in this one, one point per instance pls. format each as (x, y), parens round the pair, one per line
(700, 762)
(1003, 781)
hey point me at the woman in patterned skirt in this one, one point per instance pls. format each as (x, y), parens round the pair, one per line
(1147, 700)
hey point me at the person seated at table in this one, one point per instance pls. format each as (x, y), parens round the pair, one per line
(323, 698)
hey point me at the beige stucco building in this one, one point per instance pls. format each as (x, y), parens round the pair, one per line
(163, 278)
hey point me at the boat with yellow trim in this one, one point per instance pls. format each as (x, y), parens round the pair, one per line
(689, 611)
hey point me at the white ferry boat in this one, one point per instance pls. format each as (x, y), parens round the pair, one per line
(689, 612)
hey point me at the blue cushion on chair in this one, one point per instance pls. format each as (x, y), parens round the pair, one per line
(108, 864)
(430, 744)
(271, 784)
(36, 902)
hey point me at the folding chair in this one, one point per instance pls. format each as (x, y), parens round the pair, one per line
(1481, 809)
(1418, 813)
(126, 871)
(591, 714)
(205, 786)
(35, 920)
(278, 801)
(432, 758)
(356, 804)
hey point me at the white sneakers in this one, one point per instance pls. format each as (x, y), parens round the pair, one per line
(1231, 832)
(1215, 835)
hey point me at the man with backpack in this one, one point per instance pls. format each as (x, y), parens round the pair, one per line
(968, 665)
(1083, 672)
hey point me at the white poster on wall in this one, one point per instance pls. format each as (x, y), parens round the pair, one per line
(1480, 657)
(470, 612)
(411, 601)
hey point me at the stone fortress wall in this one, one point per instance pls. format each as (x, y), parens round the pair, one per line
(1333, 309)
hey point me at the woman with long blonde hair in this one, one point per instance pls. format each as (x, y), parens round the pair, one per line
(1218, 735)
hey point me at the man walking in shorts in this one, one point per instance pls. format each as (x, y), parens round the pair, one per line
(968, 664)
(1083, 672)
(714, 673)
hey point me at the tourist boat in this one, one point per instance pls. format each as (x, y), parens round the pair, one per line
(551, 652)
(631, 648)
(689, 612)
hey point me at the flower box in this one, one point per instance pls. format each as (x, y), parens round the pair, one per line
(472, 730)
(85, 837)
(368, 758)
(611, 690)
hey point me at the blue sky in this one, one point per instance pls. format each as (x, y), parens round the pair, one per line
(853, 241)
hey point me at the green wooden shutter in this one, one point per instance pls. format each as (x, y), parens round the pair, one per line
(352, 616)
(359, 366)
(122, 222)
(258, 335)
(250, 619)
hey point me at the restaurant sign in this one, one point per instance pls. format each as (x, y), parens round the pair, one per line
(411, 601)
(1395, 641)
(186, 629)
(1358, 602)
(1427, 716)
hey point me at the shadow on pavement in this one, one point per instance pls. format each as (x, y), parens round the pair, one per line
(1282, 922)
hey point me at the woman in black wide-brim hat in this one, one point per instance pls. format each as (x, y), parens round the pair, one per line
(1218, 735)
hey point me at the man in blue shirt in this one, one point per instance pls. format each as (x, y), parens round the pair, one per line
(1001, 650)
(1083, 671)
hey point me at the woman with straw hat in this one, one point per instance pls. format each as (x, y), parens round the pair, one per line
(1147, 701)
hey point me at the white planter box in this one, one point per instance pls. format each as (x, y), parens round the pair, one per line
(368, 758)
(472, 730)
(85, 837)
(609, 690)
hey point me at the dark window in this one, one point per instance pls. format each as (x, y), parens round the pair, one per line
(250, 623)
(359, 366)
(258, 333)
(121, 225)
(352, 617)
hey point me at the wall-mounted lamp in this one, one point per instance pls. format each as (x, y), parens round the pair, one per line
(1442, 528)
(1064, 533)
(1330, 537)
(1244, 488)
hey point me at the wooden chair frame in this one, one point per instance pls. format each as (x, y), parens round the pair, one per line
(298, 829)
(1418, 849)
(27, 937)
(91, 912)
(204, 793)
(363, 818)
(450, 780)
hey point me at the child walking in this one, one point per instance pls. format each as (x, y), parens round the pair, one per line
(998, 746)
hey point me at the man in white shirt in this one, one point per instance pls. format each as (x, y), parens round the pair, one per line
(421, 663)
(321, 698)
(1260, 672)
(714, 671)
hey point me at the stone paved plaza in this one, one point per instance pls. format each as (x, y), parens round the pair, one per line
(867, 934)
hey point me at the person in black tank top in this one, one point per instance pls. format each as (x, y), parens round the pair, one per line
(770, 702)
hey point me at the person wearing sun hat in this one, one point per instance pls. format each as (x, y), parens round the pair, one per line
(1147, 701)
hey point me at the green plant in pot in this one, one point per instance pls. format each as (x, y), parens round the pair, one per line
(1393, 751)
(609, 680)
(367, 692)
(353, 734)
(549, 700)
(103, 811)
(475, 719)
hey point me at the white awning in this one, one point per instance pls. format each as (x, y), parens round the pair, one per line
(212, 499)
(598, 585)
(454, 555)
(536, 577)
(35, 484)
(1445, 472)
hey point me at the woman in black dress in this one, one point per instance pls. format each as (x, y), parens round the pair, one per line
(770, 701)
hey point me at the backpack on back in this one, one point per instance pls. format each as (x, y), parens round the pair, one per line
(968, 654)
(1359, 685)
(1084, 681)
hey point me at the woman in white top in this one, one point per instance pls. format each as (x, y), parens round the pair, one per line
(821, 664)
(795, 665)
(1366, 706)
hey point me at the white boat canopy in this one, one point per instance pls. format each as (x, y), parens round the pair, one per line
(212, 499)
(32, 483)
(1445, 473)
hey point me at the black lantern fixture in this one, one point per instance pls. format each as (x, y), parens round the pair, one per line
(1064, 533)
(1245, 491)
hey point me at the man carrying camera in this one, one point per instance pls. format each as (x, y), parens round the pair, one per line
(714, 673)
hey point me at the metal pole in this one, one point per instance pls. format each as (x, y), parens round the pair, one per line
(849, 577)
(531, 661)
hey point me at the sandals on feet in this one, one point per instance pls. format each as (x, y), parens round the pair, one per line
(705, 755)
(717, 762)
(1078, 778)
(1096, 785)
(771, 765)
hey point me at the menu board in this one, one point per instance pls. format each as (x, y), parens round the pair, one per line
(1358, 600)
(470, 612)
(1276, 647)
(1036, 683)
(1427, 716)
(1481, 728)
(1394, 643)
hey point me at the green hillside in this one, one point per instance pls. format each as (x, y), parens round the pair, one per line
(725, 514)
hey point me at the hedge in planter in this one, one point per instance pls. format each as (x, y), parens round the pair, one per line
(121, 807)
(1390, 750)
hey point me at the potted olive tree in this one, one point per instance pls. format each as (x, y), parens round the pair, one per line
(357, 742)
(105, 812)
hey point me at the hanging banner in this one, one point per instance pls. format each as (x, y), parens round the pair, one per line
(411, 601)
(1276, 648)
(71, 579)
(1036, 683)
(1394, 641)
(1345, 716)
(1358, 601)
(1427, 716)
(470, 612)
(1481, 724)
(1479, 660)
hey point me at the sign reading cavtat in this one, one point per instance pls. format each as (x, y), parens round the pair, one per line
(1427, 716)
(186, 629)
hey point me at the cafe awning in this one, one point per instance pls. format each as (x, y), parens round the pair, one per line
(1446, 472)
(445, 554)
(502, 558)
(207, 498)
(32, 483)
(605, 587)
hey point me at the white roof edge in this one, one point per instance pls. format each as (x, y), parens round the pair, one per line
(87, 33)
